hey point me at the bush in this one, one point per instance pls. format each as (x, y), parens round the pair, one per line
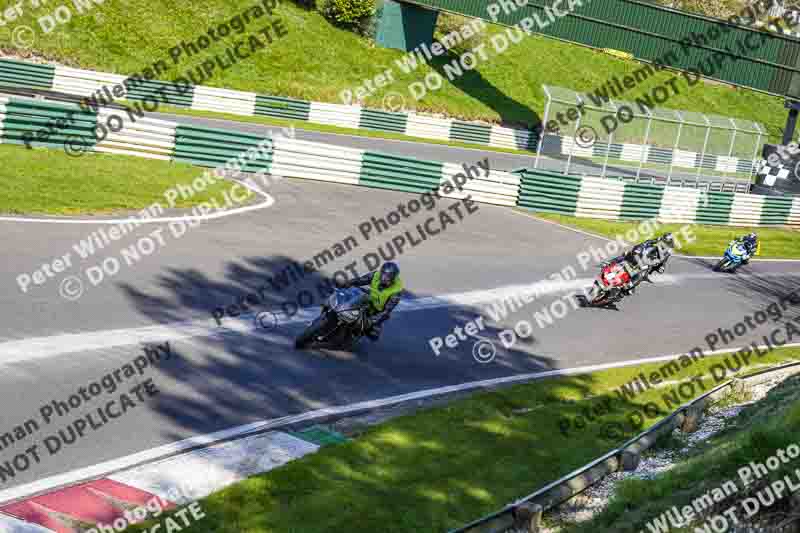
(448, 23)
(355, 15)
(306, 4)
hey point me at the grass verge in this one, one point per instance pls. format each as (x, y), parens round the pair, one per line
(317, 61)
(757, 433)
(442, 467)
(47, 181)
(776, 243)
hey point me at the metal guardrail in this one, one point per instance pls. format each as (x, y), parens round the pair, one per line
(526, 511)
(740, 186)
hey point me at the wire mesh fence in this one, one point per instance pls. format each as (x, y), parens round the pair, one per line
(585, 134)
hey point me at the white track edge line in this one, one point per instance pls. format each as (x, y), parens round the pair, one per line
(269, 201)
(160, 452)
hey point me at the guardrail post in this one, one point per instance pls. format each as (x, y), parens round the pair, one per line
(692, 417)
(738, 386)
(528, 517)
(631, 456)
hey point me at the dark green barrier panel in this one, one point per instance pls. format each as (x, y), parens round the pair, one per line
(383, 121)
(641, 201)
(398, 173)
(714, 208)
(473, 133)
(19, 74)
(289, 108)
(47, 124)
(213, 148)
(775, 210)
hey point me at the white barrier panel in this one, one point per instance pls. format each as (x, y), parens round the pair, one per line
(568, 144)
(517, 139)
(85, 83)
(726, 164)
(224, 101)
(428, 127)
(746, 209)
(344, 116)
(679, 205)
(633, 152)
(303, 159)
(598, 195)
(682, 158)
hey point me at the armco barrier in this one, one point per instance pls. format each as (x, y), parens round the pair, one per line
(538, 190)
(209, 147)
(78, 82)
(616, 200)
(85, 83)
(525, 513)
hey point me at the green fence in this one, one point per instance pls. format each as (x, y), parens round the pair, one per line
(734, 53)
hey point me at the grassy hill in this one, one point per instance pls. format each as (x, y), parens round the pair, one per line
(316, 61)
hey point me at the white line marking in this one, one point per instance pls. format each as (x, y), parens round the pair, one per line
(160, 452)
(266, 203)
(52, 346)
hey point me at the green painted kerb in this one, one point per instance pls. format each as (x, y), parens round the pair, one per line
(404, 26)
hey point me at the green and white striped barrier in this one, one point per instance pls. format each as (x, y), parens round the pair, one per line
(615, 200)
(119, 132)
(99, 86)
(539, 190)
(635, 153)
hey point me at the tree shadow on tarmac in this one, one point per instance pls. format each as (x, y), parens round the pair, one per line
(764, 291)
(502, 444)
(242, 377)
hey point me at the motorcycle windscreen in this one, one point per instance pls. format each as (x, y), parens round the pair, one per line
(348, 299)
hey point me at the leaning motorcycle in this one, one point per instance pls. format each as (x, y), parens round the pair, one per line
(340, 324)
(612, 285)
(734, 258)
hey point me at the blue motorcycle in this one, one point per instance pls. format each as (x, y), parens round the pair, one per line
(735, 256)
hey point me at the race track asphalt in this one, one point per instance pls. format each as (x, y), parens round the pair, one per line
(50, 346)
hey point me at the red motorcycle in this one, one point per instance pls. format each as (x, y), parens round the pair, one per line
(612, 286)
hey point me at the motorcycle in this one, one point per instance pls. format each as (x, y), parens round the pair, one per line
(612, 286)
(734, 258)
(340, 324)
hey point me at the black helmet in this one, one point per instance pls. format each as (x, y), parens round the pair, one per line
(751, 236)
(389, 273)
(668, 239)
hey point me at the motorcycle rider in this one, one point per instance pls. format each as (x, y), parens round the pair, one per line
(650, 253)
(385, 288)
(750, 243)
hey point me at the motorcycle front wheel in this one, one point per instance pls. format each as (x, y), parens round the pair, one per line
(598, 296)
(310, 333)
(721, 266)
